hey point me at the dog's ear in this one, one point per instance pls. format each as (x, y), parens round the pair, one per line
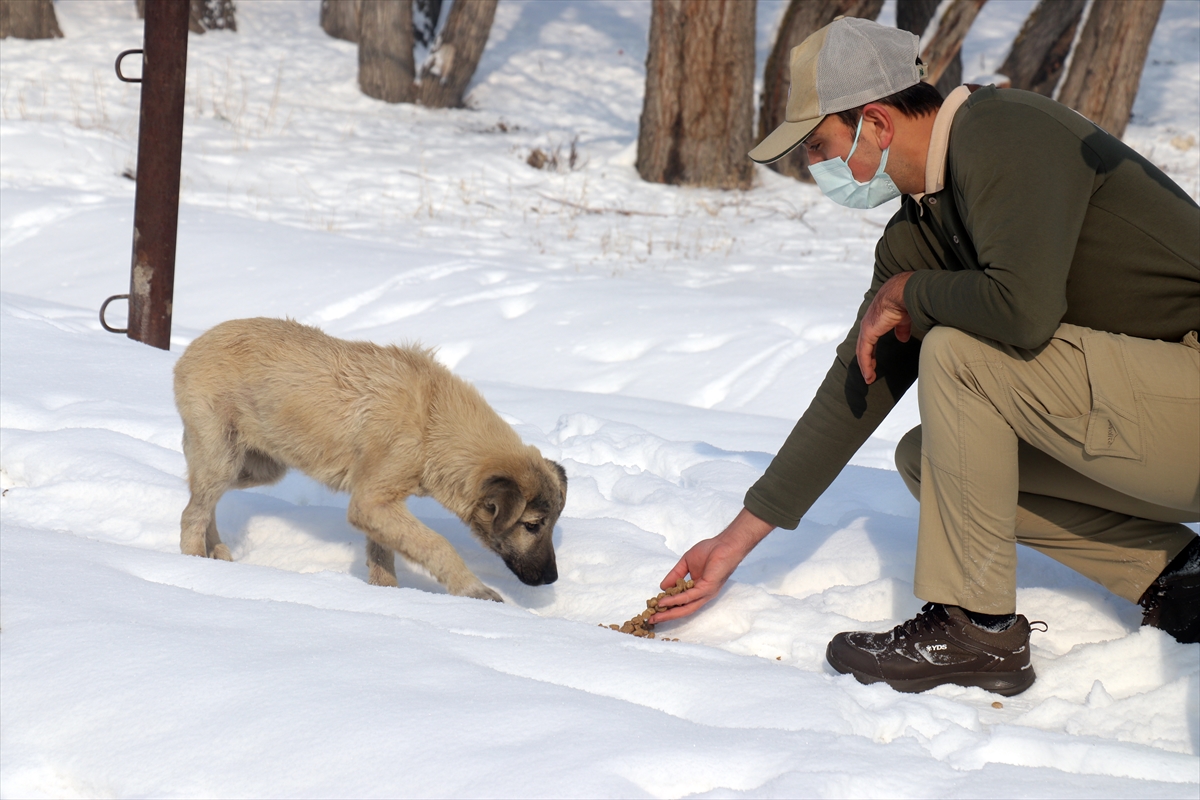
(562, 476)
(503, 501)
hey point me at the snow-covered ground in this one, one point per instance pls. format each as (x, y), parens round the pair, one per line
(659, 342)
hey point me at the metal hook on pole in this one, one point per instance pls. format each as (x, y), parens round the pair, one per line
(104, 324)
(121, 55)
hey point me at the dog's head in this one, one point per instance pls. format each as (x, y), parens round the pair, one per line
(515, 515)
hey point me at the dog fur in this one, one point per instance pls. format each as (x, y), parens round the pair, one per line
(258, 396)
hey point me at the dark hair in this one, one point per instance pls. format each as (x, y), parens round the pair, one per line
(915, 101)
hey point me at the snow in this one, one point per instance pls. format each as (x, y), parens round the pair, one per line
(659, 342)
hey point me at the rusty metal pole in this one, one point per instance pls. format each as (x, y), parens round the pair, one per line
(160, 147)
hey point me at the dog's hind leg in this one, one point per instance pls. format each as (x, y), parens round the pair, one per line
(387, 520)
(213, 544)
(381, 564)
(198, 526)
(256, 469)
(212, 467)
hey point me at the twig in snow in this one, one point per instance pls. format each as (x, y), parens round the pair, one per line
(590, 210)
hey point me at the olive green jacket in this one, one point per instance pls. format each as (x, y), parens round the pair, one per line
(1043, 219)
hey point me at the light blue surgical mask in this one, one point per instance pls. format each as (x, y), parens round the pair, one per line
(836, 182)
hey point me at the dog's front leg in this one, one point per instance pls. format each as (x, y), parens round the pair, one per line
(389, 523)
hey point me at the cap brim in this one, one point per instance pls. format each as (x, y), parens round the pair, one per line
(783, 140)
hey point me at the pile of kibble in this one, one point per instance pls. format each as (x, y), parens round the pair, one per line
(638, 626)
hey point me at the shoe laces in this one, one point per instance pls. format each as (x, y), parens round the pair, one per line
(932, 618)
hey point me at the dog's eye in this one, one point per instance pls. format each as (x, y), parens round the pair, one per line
(532, 527)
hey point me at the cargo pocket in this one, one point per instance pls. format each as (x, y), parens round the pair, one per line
(1039, 417)
(1114, 427)
(1073, 428)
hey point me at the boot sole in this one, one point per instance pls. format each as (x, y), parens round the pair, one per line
(1004, 684)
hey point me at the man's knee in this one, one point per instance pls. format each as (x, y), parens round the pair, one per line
(908, 460)
(944, 348)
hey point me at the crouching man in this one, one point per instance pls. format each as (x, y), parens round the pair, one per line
(1043, 280)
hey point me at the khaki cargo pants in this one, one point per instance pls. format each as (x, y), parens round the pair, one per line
(1087, 449)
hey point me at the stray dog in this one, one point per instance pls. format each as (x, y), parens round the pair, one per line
(258, 396)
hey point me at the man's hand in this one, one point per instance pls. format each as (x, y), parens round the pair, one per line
(710, 562)
(886, 312)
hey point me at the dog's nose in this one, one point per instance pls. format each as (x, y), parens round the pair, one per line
(550, 573)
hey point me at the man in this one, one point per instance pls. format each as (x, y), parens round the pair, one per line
(1044, 280)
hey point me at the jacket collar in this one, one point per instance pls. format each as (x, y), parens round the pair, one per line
(939, 142)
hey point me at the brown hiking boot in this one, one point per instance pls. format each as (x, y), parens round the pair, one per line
(1172, 602)
(939, 645)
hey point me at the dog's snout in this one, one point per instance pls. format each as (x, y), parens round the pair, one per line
(536, 573)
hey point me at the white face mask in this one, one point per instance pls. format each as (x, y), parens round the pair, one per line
(836, 181)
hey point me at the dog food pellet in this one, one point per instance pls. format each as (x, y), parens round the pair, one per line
(997, 704)
(638, 626)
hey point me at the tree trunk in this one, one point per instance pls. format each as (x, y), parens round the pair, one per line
(914, 16)
(28, 19)
(339, 18)
(385, 50)
(1036, 59)
(1106, 65)
(207, 15)
(801, 19)
(695, 128)
(456, 54)
(946, 42)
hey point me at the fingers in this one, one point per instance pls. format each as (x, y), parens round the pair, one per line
(865, 351)
(678, 571)
(681, 605)
(679, 599)
(678, 612)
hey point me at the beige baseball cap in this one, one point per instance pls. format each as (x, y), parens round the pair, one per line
(846, 64)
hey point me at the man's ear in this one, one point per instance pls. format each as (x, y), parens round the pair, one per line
(502, 500)
(879, 117)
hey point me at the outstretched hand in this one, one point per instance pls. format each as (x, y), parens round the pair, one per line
(710, 562)
(887, 312)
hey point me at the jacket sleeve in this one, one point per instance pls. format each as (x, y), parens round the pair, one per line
(1022, 183)
(842, 415)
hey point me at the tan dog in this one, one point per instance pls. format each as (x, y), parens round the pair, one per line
(258, 396)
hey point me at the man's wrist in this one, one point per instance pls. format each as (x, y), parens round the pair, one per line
(896, 295)
(746, 531)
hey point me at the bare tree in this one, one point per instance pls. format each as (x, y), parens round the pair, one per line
(941, 46)
(213, 15)
(456, 53)
(1036, 59)
(386, 33)
(914, 16)
(385, 51)
(339, 18)
(28, 19)
(205, 15)
(695, 127)
(801, 19)
(1106, 62)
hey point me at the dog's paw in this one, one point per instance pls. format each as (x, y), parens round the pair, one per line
(221, 552)
(482, 592)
